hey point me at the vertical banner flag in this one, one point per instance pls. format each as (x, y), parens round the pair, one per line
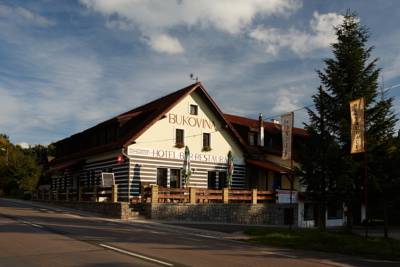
(357, 125)
(186, 172)
(230, 169)
(287, 127)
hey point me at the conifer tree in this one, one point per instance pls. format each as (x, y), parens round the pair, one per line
(349, 75)
(329, 172)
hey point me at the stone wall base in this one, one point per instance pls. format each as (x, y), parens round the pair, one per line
(268, 214)
(118, 210)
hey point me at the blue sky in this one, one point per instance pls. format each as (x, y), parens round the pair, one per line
(68, 65)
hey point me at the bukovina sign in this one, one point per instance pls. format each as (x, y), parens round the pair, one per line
(171, 154)
(184, 120)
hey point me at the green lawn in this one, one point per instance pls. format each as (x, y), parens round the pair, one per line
(337, 242)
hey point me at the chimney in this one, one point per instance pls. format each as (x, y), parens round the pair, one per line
(261, 130)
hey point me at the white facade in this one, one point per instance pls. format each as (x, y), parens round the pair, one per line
(156, 147)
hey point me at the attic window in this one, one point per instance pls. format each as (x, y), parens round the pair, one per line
(252, 138)
(193, 110)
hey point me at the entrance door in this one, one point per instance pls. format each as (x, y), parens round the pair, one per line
(212, 180)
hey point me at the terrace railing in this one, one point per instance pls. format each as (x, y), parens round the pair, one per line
(156, 194)
(93, 194)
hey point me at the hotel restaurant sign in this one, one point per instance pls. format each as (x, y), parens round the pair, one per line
(178, 155)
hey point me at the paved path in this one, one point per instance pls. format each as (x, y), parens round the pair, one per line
(42, 235)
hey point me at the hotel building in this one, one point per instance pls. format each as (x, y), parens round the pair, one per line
(146, 146)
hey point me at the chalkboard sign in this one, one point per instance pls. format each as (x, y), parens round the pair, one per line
(107, 179)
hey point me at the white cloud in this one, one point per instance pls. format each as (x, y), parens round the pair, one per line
(24, 15)
(157, 17)
(165, 44)
(286, 100)
(391, 71)
(24, 145)
(321, 35)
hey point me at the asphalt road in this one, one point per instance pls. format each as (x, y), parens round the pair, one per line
(45, 236)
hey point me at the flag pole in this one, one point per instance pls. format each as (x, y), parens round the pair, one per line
(291, 174)
(366, 184)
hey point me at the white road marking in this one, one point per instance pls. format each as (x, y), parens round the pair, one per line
(36, 225)
(136, 255)
(207, 236)
(73, 215)
(280, 254)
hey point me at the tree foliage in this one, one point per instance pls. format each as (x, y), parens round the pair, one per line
(19, 171)
(350, 74)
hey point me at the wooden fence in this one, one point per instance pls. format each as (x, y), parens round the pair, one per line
(156, 194)
(93, 194)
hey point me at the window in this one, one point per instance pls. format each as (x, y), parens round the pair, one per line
(222, 179)
(277, 181)
(308, 211)
(193, 110)
(252, 138)
(206, 142)
(175, 178)
(179, 138)
(212, 180)
(162, 174)
(335, 211)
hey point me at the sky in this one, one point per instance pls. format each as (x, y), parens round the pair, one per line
(66, 65)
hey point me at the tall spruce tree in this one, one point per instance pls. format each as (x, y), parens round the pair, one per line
(349, 75)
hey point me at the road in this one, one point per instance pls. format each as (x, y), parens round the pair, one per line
(46, 236)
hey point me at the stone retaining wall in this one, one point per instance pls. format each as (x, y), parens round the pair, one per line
(269, 214)
(119, 210)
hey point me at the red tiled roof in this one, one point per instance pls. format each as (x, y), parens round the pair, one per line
(136, 121)
(270, 127)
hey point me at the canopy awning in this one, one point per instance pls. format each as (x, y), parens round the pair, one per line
(268, 165)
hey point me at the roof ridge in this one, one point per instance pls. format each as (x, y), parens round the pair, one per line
(158, 99)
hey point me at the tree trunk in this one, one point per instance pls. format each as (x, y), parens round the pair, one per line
(385, 219)
(349, 218)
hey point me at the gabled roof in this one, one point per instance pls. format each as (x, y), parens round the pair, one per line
(269, 127)
(133, 123)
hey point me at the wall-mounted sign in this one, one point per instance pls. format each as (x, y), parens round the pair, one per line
(284, 196)
(180, 155)
(190, 121)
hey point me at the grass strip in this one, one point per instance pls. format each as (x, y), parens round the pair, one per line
(327, 241)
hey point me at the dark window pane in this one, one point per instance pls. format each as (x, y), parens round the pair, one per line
(175, 178)
(252, 138)
(193, 110)
(335, 211)
(277, 181)
(222, 180)
(308, 211)
(206, 140)
(179, 137)
(212, 180)
(162, 177)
